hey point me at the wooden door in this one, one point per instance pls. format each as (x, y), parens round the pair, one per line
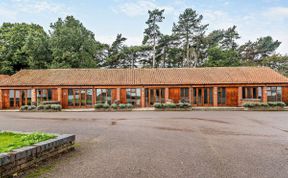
(285, 95)
(6, 103)
(174, 94)
(232, 96)
(65, 98)
(123, 96)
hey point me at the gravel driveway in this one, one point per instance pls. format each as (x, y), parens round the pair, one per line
(164, 144)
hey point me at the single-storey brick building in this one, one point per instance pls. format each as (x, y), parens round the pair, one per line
(81, 88)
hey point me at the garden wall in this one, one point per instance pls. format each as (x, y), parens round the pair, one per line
(21, 159)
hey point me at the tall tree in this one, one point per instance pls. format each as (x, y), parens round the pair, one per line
(23, 46)
(72, 45)
(115, 53)
(190, 32)
(222, 58)
(152, 32)
(258, 50)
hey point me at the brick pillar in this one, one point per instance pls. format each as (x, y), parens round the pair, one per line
(215, 96)
(142, 97)
(34, 96)
(118, 91)
(190, 94)
(59, 95)
(264, 94)
(240, 96)
(1, 99)
(166, 94)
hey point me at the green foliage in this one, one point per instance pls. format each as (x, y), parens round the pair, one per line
(114, 106)
(222, 58)
(170, 105)
(129, 106)
(23, 46)
(56, 107)
(158, 105)
(275, 104)
(10, 141)
(40, 107)
(72, 45)
(122, 106)
(106, 106)
(190, 34)
(184, 105)
(98, 106)
(269, 104)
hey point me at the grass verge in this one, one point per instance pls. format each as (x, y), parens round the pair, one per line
(10, 140)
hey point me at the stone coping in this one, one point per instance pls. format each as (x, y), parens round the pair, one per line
(23, 158)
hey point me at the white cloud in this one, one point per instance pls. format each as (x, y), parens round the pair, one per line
(39, 6)
(140, 7)
(277, 12)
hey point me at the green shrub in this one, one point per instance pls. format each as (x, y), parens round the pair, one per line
(249, 105)
(40, 107)
(56, 107)
(170, 105)
(98, 106)
(263, 104)
(158, 105)
(46, 107)
(129, 105)
(32, 107)
(24, 108)
(114, 106)
(122, 106)
(184, 105)
(106, 106)
(275, 104)
(50, 102)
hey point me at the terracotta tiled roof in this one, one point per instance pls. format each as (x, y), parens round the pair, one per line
(3, 77)
(214, 75)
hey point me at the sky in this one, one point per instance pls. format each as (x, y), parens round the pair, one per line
(107, 18)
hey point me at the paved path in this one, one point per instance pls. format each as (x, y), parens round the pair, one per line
(165, 144)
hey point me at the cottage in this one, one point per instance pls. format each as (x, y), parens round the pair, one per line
(82, 88)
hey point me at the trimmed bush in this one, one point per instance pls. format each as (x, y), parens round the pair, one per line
(32, 108)
(56, 107)
(98, 106)
(275, 104)
(24, 108)
(114, 106)
(122, 106)
(50, 102)
(158, 105)
(170, 105)
(249, 105)
(129, 105)
(106, 106)
(46, 107)
(40, 107)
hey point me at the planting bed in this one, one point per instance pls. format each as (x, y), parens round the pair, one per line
(20, 151)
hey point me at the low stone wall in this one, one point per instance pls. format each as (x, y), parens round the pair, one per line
(22, 159)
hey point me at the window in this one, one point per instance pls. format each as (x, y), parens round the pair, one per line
(80, 97)
(18, 98)
(184, 94)
(133, 96)
(44, 95)
(154, 95)
(104, 96)
(203, 96)
(251, 92)
(274, 94)
(221, 95)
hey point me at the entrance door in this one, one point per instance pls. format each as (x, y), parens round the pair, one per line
(232, 97)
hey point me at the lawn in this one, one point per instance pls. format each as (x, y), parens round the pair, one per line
(10, 140)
